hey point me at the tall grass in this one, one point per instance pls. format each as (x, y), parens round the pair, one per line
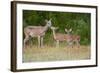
(52, 53)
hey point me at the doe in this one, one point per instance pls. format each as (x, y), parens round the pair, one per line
(36, 31)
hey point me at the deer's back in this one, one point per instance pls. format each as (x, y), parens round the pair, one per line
(61, 37)
(34, 30)
(76, 37)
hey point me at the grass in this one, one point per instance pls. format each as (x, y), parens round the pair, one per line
(52, 53)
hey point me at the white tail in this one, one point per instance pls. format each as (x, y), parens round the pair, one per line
(58, 36)
(73, 38)
(36, 31)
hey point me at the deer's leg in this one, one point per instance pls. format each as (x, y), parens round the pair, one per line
(31, 42)
(78, 44)
(57, 44)
(70, 44)
(41, 41)
(25, 40)
(39, 45)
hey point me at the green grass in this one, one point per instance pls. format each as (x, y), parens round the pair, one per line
(52, 53)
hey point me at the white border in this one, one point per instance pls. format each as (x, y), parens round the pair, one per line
(21, 65)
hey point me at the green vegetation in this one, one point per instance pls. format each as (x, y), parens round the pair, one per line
(79, 22)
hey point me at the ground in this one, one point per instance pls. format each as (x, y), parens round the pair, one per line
(51, 53)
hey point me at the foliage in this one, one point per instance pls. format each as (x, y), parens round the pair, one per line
(79, 22)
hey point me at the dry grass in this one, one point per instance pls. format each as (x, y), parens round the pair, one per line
(51, 53)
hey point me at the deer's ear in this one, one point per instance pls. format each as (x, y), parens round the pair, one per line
(57, 27)
(51, 27)
(66, 30)
(70, 29)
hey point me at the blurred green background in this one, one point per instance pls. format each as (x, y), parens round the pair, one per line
(79, 22)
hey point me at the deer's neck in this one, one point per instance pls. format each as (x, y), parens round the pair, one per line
(45, 28)
(54, 34)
